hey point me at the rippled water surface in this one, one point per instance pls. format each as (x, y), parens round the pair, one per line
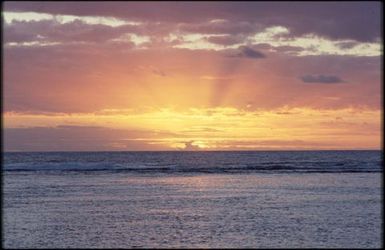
(192, 199)
(198, 162)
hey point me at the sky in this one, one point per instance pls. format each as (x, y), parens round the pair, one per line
(129, 76)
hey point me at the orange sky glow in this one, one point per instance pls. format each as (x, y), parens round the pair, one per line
(99, 76)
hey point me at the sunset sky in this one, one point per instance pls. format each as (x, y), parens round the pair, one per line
(91, 76)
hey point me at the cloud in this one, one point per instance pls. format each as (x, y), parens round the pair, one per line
(190, 147)
(158, 72)
(80, 138)
(327, 79)
(282, 145)
(31, 29)
(250, 53)
(201, 129)
(360, 20)
(71, 79)
(347, 44)
(247, 52)
(76, 31)
(219, 27)
(287, 49)
(225, 39)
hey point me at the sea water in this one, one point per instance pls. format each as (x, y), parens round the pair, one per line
(192, 199)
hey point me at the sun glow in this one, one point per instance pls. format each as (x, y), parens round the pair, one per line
(227, 128)
(206, 79)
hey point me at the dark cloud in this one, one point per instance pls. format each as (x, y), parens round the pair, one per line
(270, 144)
(190, 147)
(247, 52)
(288, 49)
(80, 138)
(328, 79)
(360, 21)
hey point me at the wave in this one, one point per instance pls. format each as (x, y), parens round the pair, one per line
(198, 162)
(323, 167)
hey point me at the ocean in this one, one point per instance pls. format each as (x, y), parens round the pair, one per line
(259, 199)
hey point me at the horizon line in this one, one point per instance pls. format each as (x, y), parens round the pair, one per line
(173, 151)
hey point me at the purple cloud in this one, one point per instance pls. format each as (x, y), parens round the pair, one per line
(327, 79)
(247, 52)
(360, 21)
